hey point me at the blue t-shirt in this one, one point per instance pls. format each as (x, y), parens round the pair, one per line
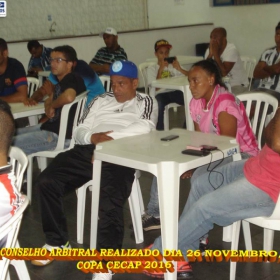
(91, 80)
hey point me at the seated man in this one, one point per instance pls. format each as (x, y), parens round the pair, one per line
(228, 59)
(238, 190)
(110, 116)
(109, 54)
(44, 136)
(40, 58)
(91, 80)
(13, 83)
(161, 70)
(268, 68)
(10, 198)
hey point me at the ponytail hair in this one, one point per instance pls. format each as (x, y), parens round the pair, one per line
(211, 67)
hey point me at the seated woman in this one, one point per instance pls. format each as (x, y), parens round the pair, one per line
(213, 110)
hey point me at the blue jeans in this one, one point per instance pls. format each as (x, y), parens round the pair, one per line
(164, 99)
(153, 205)
(32, 139)
(234, 200)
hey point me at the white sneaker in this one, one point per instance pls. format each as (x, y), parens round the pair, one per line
(49, 248)
(103, 276)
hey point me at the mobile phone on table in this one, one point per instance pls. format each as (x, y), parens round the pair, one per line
(170, 59)
(209, 148)
(169, 138)
(197, 153)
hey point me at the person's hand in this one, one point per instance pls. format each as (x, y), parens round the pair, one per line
(176, 65)
(214, 48)
(49, 110)
(187, 174)
(48, 87)
(100, 137)
(30, 102)
(276, 68)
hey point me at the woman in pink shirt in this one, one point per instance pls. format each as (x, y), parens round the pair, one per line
(215, 110)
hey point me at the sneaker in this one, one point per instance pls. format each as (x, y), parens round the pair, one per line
(184, 271)
(102, 276)
(150, 222)
(49, 248)
(203, 245)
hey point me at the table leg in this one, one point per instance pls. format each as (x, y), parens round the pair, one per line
(95, 202)
(168, 188)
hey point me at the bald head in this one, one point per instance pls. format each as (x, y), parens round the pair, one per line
(221, 31)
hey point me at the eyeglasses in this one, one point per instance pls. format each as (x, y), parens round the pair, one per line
(57, 60)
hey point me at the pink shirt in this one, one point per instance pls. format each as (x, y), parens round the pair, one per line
(223, 101)
(263, 171)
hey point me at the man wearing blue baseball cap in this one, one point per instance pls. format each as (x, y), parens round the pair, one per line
(113, 115)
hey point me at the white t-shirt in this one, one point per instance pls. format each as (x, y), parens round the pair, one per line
(168, 72)
(237, 74)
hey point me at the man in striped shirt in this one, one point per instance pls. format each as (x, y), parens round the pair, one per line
(109, 54)
(268, 68)
(13, 82)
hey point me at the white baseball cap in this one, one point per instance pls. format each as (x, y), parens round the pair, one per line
(109, 30)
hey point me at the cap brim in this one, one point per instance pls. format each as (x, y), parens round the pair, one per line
(168, 46)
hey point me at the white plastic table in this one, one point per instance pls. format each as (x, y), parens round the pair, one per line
(19, 110)
(164, 160)
(177, 83)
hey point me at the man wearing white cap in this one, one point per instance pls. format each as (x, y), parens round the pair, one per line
(109, 54)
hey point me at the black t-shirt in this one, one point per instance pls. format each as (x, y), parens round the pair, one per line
(13, 77)
(71, 80)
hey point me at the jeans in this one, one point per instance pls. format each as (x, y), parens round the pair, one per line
(32, 139)
(164, 99)
(234, 200)
(153, 205)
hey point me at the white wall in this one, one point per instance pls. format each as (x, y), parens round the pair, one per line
(250, 27)
(138, 45)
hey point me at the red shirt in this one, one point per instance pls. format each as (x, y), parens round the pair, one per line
(263, 171)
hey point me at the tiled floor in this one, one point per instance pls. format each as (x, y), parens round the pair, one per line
(31, 235)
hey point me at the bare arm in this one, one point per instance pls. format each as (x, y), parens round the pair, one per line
(178, 67)
(104, 68)
(65, 98)
(228, 124)
(19, 96)
(196, 126)
(263, 70)
(272, 133)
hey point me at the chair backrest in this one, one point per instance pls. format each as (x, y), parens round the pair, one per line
(11, 229)
(78, 115)
(33, 85)
(257, 104)
(249, 64)
(143, 71)
(19, 162)
(64, 118)
(106, 82)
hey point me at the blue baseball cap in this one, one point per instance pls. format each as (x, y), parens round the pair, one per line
(124, 68)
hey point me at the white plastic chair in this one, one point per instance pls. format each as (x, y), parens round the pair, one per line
(11, 229)
(19, 162)
(80, 101)
(33, 84)
(268, 223)
(249, 64)
(258, 120)
(135, 204)
(143, 70)
(106, 82)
